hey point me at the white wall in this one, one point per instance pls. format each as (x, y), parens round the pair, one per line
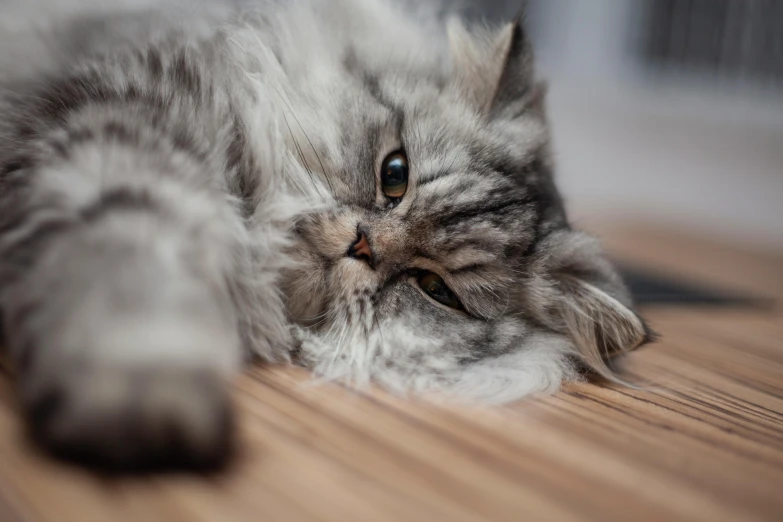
(631, 145)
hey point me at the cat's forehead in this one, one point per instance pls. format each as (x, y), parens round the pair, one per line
(437, 126)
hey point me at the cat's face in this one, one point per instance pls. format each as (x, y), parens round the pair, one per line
(434, 202)
(434, 259)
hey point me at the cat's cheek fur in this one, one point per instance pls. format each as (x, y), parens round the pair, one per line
(400, 356)
(540, 365)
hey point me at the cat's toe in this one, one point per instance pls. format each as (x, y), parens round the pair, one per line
(139, 419)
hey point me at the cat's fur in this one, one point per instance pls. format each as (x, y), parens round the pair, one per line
(186, 200)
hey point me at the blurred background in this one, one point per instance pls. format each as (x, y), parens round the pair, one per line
(665, 111)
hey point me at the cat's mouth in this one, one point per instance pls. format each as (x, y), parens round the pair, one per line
(318, 300)
(328, 275)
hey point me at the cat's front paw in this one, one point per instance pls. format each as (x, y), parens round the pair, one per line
(134, 419)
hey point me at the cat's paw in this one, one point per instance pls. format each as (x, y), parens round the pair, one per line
(134, 419)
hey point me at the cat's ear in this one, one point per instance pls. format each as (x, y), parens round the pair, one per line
(579, 293)
(494, 69)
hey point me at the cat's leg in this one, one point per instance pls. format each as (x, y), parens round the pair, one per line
(119, 316)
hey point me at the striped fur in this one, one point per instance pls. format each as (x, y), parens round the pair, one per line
(174, 206)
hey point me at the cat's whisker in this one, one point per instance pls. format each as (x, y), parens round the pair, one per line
(309, 141)
(505, 308)
(335, 322)
(300, 153)
(314, 317)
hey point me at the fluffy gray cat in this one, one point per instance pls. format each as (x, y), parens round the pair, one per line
(351, 185)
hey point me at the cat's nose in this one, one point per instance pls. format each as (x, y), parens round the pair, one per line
(361, 249)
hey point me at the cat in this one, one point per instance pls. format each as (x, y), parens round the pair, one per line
(362, 187)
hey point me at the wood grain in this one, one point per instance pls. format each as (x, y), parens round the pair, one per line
(702, 440)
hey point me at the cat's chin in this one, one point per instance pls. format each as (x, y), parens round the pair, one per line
(405, 364)
(319, 291)
(306, 312)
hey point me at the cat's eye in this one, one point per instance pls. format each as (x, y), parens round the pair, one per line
(434, 286)
(394, 175)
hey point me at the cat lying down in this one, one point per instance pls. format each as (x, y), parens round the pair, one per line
(357, 186)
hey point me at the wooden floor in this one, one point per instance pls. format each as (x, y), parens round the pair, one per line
(704, 443)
